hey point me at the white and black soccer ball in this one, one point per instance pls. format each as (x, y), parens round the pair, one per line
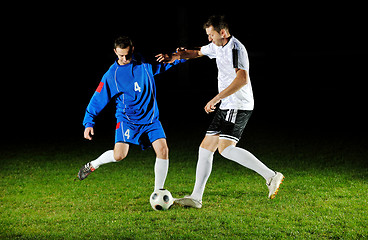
(161, 199)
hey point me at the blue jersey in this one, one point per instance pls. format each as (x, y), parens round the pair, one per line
(134, 90)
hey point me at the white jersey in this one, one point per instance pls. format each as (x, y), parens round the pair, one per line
(232, 55)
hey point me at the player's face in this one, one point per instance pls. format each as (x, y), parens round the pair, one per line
(214, 36)
(124, 55)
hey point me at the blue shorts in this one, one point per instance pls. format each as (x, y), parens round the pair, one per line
(142, 134)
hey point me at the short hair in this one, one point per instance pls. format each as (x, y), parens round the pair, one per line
(123, 42)
(218, 22)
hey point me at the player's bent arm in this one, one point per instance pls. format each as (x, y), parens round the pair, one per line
(240, 81)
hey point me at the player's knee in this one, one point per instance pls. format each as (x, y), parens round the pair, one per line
(221, 148)
(119, 156)
(162, 152)
(210, 142)
(223, 144)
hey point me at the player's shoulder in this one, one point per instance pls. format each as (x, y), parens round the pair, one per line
(112, 68)
(209, 50)
(109, 74)
(237, 44)
(142, 61)
(138, 58)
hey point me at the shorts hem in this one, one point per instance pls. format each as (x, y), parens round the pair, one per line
(157, 139)
(211, 133)
(228, 137)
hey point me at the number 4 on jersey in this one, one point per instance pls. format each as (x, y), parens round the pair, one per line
(127, 134)
(137, 87)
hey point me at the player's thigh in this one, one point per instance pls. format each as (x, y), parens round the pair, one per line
(210, 142)
(161, 149)
(120, 150)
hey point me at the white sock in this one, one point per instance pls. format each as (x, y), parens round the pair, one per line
(106, 157)
(161, 169)
(204, 168)
(246, 159)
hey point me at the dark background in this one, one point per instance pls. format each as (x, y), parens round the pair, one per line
(307, 66)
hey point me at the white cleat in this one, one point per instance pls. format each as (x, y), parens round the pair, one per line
(274, 184)
(188, 201)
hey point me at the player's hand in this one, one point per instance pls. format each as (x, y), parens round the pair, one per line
(211, 105)
(165, 58)
(180, 50)
(88, 133)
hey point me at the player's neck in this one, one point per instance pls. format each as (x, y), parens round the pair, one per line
(226, 40)
(122, 63)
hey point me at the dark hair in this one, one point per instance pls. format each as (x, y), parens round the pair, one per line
(123, 42)
(218, 22)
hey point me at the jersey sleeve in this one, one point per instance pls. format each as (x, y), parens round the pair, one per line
(240, 58)
(209, 50)
(99, 100)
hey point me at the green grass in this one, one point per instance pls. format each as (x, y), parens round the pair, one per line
(324, 195)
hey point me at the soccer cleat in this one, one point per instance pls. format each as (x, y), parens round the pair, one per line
(85, 171)
(188, 201)
(274, 184)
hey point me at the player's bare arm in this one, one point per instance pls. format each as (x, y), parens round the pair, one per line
(181, 53)
(240, 81)
(188, 54)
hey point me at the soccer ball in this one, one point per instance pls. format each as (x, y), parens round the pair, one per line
(161, 199)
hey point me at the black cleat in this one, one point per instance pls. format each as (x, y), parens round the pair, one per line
(85, 171)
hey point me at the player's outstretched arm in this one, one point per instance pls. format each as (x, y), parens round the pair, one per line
(88, 133)
(188, 54)
(181, 53)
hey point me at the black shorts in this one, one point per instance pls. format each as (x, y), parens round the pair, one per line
(229, 124)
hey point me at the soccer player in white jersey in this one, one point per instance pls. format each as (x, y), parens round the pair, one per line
(236, 97)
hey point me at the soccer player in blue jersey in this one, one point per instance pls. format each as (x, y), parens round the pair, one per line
(130, 83)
